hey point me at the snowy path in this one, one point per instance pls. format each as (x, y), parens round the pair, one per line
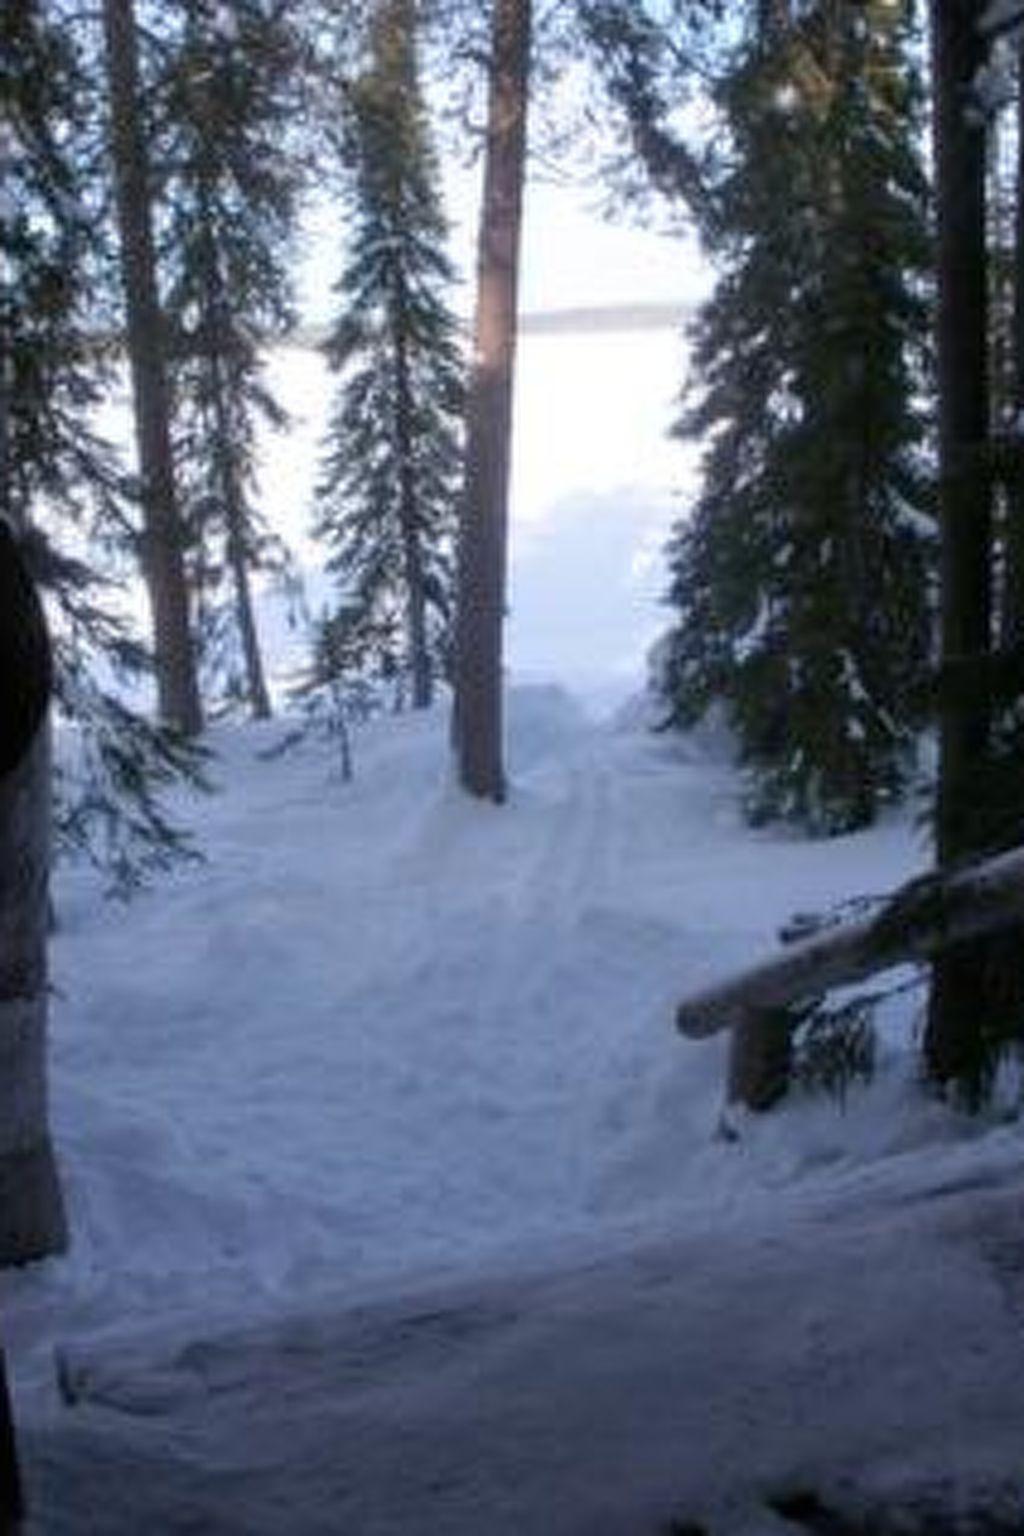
(389, 1044)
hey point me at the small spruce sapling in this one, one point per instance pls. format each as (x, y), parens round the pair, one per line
(354, 672)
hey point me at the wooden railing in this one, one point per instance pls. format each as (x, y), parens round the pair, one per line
(915, 924)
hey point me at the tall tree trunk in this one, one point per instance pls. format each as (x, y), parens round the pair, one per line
(32, 1223)
(162, 541)
(954, 1023)
(6, 383)
(259, 693)
(412, 553)
(1013, 606)
(394, 48)
(12, 1508)
(214, 331)
(255, 676)
(483, 534)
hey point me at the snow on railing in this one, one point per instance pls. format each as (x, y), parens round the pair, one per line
(919, 921)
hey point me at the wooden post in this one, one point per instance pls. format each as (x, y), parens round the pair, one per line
(12, 1508)
(760, 1057)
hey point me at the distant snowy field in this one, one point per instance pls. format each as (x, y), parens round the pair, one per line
(596, 484)
(387, 1045)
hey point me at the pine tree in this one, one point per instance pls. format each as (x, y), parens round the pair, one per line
(61, 485)
(353, 664)
(802, 574)
(226, 104)
(386, 497)
(48, 379)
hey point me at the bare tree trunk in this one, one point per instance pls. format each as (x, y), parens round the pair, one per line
(483, 537)
(12, 1508)
(230, 489)
(954, 1013)
(162, 541)
(6, 382)
(32, 1222)
(255, 676)
(416, 606)
(1013, 608)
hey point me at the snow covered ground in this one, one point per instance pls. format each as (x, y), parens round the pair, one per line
(398, 1205)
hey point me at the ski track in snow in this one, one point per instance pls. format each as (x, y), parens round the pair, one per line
(386, 1041)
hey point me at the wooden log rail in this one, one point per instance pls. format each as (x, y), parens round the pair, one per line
(915, 924)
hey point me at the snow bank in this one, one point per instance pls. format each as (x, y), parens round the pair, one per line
(385, 1042)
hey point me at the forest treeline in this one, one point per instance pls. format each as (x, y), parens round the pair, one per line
(849, 575)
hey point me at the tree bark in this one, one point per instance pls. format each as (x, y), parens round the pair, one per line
(163, 560)
(256, 678)
(1012, 627)
(6, 372)
(760, 1059)
(12, 1507)
(483, 535)
(214, 331)
(32, 1223)
(952, 1034)
(420, 668)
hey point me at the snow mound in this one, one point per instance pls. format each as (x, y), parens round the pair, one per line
(387, 1040)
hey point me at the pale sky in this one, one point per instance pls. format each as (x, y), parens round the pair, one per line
(571, 256)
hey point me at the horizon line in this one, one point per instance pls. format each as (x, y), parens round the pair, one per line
(582, 319)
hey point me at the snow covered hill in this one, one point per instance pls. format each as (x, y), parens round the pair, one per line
(398, 1205)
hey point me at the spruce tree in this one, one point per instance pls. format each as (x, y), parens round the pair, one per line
(386, 496)
(802, 574)
(61, 485)
(222, 128)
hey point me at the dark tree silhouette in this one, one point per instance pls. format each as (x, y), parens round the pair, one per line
(483, 535)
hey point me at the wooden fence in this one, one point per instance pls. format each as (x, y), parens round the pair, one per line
(913, 925)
